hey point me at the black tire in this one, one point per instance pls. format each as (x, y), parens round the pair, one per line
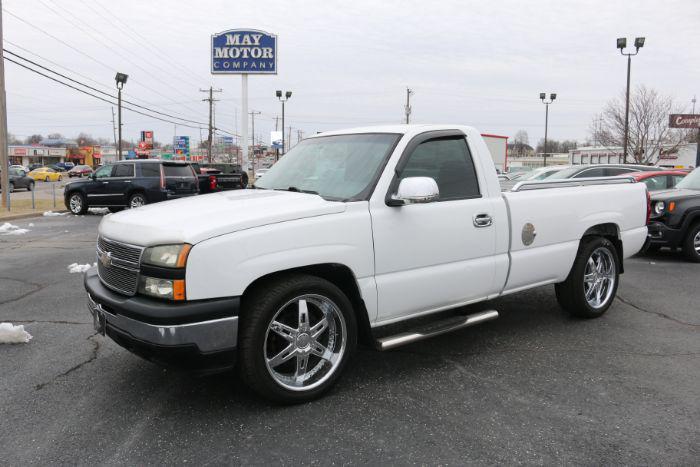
(244, 180)
(12, 187)
(60, 178)
(265, 303)
(652, 249)
(137, 200)
(77, 203)
(571, 294)
(690, 249)
(30, 187)
(47, 179)
(115, 208)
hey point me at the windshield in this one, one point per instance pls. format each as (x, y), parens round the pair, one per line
(341, 167)
(565, 173)
(691, 181)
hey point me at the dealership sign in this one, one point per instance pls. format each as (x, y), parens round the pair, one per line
(244, 51)
(181, 145)
(684, 121)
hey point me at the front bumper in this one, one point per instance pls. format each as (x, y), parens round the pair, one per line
(200, 335)
(662, 235)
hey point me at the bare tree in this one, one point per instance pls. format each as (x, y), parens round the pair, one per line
(649, 132)
(33, 139)
(13, 140)
(521, 144)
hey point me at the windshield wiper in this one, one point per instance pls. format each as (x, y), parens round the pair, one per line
(297, 190)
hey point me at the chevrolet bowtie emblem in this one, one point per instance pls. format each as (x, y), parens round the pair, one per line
(106, 258)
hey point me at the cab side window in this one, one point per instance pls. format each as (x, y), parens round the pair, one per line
(595, 172)
(447, 161)
(104, 172)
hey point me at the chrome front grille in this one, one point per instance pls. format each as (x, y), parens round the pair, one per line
(118, 265)
(121, 251)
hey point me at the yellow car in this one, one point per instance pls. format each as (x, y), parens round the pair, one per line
(45, 174)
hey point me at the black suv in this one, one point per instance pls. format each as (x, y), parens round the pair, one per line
(131, 184)
(675, 217)
(231, 176)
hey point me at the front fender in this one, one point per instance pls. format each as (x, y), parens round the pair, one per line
(226, 265)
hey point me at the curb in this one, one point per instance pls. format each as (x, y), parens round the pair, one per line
(26, 215)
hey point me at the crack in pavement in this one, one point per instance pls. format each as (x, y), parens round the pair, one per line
(37, 288)
(657, 313)
(93, 356)
(31, 321)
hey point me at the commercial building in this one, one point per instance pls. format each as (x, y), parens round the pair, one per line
(27, 155)
(679, 157)
(498, 147)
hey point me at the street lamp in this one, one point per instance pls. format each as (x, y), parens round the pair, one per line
(287, 95)
(543, 98)
(121, 81)
(621, 44)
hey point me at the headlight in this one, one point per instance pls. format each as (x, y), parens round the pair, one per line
(659, 207)
(170, 289)
(168, 256)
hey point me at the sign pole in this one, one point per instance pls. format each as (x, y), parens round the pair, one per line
(244, 122)
(4, 165)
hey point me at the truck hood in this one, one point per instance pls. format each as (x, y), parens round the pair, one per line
(197, 218)
(676, 193)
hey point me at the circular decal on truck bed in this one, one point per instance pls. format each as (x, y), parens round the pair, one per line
(529, 234)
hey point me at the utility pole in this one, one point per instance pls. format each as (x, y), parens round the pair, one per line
(114, 130)
(543, 98)
(277, 121)
(409, 92)
(4, 165)
(211, 100)
(252, 114)
(299, 135)
(289, 138)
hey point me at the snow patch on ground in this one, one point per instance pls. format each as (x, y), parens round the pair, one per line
(54, 214)
(10, 334)
(31, 224)
(103, 211)
(11, 229)
(79, 268)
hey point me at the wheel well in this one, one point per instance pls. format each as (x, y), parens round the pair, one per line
(611, 232)
(342, 277)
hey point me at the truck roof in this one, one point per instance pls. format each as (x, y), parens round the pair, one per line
(399, 129)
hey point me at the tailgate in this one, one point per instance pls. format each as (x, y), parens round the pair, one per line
(180, 179)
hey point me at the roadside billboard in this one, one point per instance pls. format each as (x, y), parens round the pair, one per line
(181, 146)
(684, 121)
(276, 139)
(244, 51)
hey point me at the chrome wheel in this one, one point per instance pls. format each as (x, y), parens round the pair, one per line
(305, 342)
(599, 277)
(76, 203)
(696, 242)
(137, 201)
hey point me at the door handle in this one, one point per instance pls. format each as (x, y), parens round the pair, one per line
(482, 220)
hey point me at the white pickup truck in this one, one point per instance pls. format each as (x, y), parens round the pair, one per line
(350, 232)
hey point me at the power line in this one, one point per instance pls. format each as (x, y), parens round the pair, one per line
(105, 44)
(98, 90)
(95, 96)
(100, 62)
(146, 42)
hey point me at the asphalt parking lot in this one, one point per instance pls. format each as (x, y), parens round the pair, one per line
(533, 387)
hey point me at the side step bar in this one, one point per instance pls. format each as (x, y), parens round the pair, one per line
(435, 329)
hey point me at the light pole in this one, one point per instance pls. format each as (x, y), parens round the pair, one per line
(121, 81)
(287, 95)
(543, 98)
(621, 44)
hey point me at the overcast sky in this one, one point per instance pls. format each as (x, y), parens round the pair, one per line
(481, 63)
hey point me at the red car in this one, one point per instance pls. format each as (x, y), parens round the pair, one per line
(80, 171)
(659, 180)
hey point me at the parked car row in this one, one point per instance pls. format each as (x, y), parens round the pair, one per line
(655, 178)
(17, 178)
(134, 183)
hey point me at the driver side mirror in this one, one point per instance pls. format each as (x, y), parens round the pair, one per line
(415, 190)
